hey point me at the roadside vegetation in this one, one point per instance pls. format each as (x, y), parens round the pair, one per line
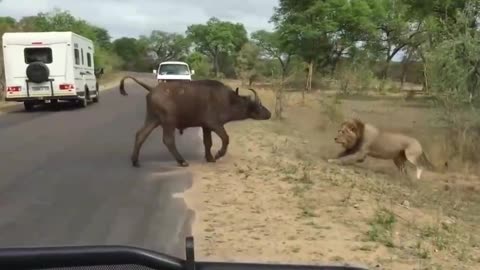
(274, 197)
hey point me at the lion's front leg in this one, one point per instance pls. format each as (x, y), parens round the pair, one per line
(349, 159)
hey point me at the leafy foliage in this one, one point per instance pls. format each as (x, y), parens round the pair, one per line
(167, 46)
(217, 37)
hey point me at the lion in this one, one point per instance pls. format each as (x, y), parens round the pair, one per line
(364, 139)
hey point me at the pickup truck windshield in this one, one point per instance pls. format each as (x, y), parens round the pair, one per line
(174, 69)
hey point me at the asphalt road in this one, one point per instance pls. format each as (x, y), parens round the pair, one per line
(66, 178)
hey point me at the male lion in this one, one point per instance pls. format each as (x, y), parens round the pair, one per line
(363, 139)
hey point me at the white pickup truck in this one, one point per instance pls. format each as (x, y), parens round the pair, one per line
(173, 71)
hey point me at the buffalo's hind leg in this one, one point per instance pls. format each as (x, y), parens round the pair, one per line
(207, 142)
(140, 137)
(169, 141)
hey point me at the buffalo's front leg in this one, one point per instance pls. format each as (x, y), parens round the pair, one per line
(140, 138)
(207, 142)
(222, 133)
(169, 141)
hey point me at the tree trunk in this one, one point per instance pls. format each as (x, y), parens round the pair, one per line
(405, 65)
(308, 85)
(279, 98)
(216, 65)
(335, 60)
(386, 68)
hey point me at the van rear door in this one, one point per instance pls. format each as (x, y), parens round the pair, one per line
(41, 60)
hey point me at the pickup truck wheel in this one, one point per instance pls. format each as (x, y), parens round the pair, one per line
(28, 106)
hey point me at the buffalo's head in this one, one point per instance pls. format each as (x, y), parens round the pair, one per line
(253, 106)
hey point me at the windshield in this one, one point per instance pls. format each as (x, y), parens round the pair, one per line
(173, 69)
(310, 131)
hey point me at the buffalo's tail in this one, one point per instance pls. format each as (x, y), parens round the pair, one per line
(122, 85)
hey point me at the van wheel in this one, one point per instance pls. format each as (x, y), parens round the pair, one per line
(28, 106)
(97, 97)
(83, 102)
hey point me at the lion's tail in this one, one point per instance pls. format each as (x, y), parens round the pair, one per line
(425, 162)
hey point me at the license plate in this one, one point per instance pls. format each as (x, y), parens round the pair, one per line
(40, 88)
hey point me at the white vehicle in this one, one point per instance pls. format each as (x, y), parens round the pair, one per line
(44, 67)
(173, 71)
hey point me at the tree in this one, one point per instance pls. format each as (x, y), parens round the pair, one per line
(273, 47)
(247, 60)
(132, 51)
(6, 24)
(167, 46)
(397, 29)
(306, 26)
(60, 20)
(216, 38)
(200, 64)
(356, 24)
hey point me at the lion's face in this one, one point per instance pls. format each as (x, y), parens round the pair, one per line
(347, 135)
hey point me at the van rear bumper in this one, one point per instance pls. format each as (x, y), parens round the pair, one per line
(20, 99)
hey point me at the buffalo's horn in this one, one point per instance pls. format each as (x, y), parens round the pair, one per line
(255, 93)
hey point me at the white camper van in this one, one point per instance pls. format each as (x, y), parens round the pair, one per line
(173, 71)
(44, 67)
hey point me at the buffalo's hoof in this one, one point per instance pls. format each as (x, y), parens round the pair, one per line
(219, 155)
(183, 164)
(135, 163)
(210, 159)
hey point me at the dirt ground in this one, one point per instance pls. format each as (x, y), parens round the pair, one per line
(274, 198)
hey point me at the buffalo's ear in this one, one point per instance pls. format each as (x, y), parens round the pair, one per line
(236, 91)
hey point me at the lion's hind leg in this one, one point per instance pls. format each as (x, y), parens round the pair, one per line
(400, 162)
(413, 153)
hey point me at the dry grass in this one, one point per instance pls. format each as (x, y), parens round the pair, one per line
(274, 198)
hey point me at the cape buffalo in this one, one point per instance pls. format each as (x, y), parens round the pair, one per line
(209, 104)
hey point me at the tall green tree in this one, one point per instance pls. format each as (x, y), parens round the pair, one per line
(217, 37)
(318, 29)
(273, 47)
(247, 61)
(6, 24)
(133, 53)
(167, 46)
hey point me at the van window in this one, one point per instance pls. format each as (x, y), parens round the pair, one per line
(82, 57)
(89, 59)
(77, 57)
(38, 55)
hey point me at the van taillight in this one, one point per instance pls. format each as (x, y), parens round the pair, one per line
(67, 86)
(14, 88)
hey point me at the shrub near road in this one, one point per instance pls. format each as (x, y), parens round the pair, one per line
(274, 197)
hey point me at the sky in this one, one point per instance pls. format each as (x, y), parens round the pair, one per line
(139, 17)
(132, 18)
